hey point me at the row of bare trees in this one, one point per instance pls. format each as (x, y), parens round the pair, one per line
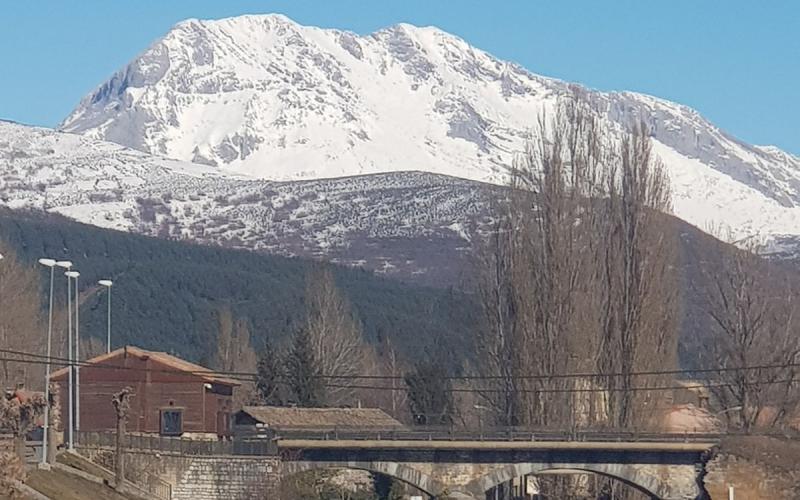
(20, 320)
(753, 306)
(580, 274)
(577, 277)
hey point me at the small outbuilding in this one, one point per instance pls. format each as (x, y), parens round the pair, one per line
(172, 397)
(278, 418)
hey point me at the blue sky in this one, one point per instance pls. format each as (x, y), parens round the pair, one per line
(736, 62)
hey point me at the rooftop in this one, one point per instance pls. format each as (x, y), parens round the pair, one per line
(169, 361)
(342, 418)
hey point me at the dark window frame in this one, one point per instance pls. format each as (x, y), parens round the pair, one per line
(161, 423)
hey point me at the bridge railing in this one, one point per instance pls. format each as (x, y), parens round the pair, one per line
(505, 434)
(253, 441)
(246, 445)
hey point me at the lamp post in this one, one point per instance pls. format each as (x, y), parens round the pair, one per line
(108, 284)
(65, 264)
(71, 348)
(77, 346)
(46, 431)
(723, 412)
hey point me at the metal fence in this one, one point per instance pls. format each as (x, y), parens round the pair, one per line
(33, 448)
(178, 445)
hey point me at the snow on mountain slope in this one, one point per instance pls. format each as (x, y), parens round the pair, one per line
(264, 96)
(409, 224)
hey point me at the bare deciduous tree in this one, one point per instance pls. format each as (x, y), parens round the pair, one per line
(636, 287)
(577, 276)
(535, 268)
(235, 353)
(335, 335)
(754, 311)
(20, 320)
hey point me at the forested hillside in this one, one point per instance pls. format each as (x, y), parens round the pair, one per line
(167, 295)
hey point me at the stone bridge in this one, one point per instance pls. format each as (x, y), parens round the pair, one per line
(468, 469)
(444, 465)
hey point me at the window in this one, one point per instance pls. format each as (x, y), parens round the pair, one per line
(171, 422)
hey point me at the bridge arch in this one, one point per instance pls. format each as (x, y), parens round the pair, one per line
(395, 470)
(628, 474)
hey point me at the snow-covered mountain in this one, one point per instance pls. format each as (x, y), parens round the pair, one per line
(264, 96)
(411, 225)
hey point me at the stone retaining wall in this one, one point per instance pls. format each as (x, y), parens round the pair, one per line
(212, 478)
(200, 477)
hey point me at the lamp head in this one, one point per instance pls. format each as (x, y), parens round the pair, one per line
(72, 274)
(64, 263)
(107, 283)
(47, 262)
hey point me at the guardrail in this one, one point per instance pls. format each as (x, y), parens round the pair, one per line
(440, 434)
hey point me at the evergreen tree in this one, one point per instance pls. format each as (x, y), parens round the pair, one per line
(429, 393)
(303, 373)
(268, 377)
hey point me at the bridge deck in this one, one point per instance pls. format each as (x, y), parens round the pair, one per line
(650, 446)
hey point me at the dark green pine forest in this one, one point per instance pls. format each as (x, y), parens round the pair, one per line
(167, 294)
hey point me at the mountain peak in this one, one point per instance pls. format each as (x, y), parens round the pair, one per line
(242, 20)
(264, 96)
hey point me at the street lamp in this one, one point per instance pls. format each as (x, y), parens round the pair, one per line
(480, 409)
(51, 264)
(108, 284)
(65, 264)
(77, 346)
(71, 349)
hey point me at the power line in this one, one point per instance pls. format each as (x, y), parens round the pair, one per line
(251, 377)
(586, 375)
(582, 376)
(583, 390)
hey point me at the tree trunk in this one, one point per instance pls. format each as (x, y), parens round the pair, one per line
(119, 457)
(19, 447)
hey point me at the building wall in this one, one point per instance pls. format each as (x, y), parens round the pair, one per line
(154, 390)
